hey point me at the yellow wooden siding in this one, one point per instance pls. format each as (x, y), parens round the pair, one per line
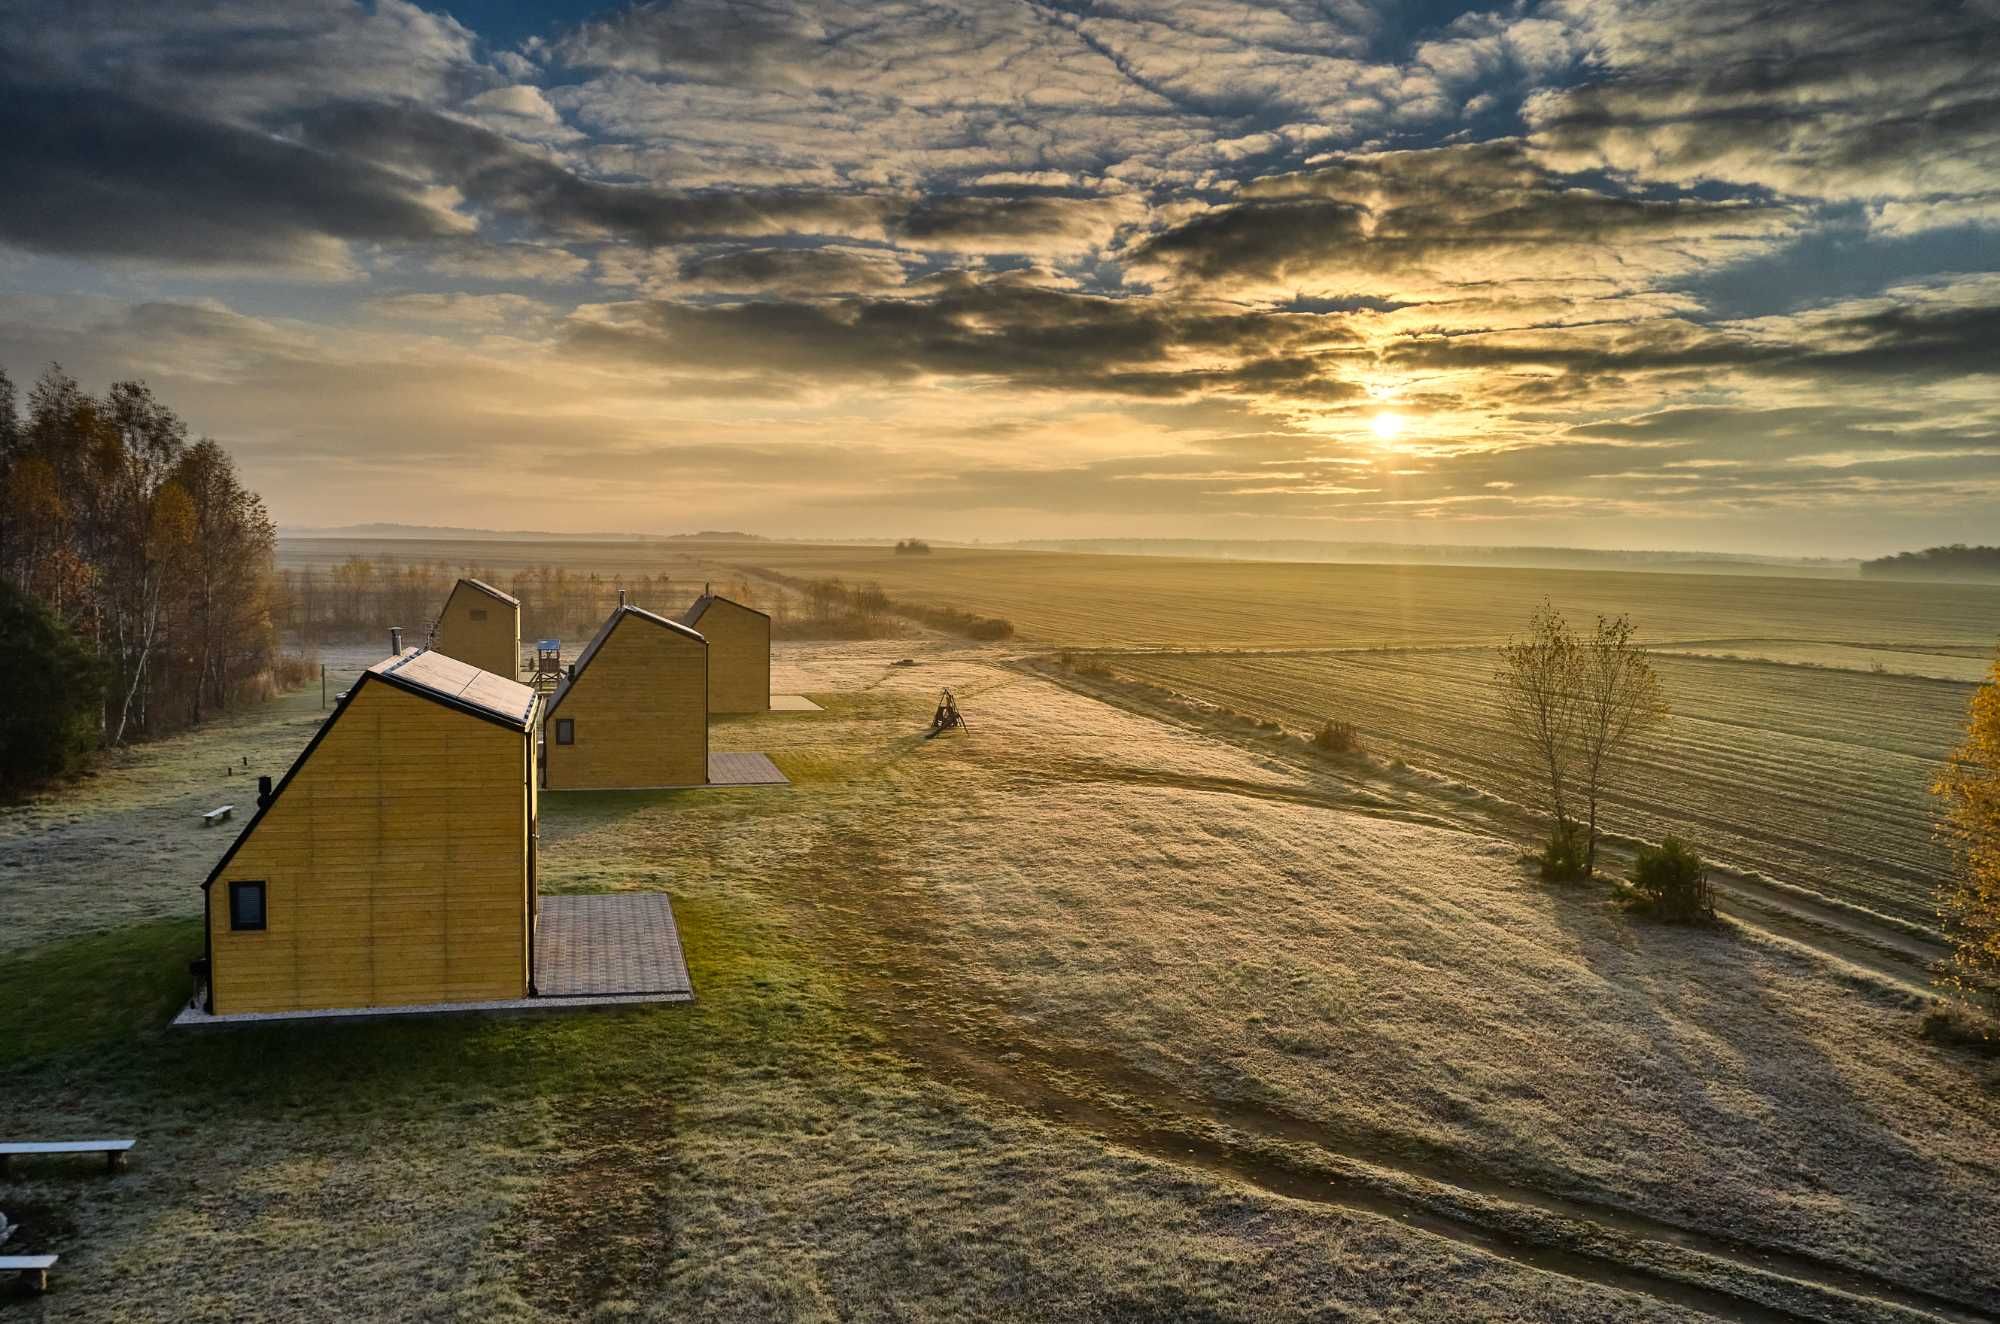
(493, 644)
(739, 658)
(641, 713)
(395, 867)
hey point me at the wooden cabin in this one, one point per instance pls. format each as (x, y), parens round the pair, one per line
(482, 626)
(739, 653)
(632, 713)
(394, 863)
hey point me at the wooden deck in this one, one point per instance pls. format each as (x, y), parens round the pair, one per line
(744, 770)
(611, 950)
(609, 946)
(794, 703)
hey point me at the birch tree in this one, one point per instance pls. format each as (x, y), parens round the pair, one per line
(1537, 679)
(1576, 705)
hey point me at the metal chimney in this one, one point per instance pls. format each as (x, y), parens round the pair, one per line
(263, 791)
(395, 641)
(621, 597)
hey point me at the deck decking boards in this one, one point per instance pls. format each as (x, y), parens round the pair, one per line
(744, 770)
(612, 950)
(794, 703)
(599, 946)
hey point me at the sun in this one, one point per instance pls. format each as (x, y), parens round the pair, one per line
(1387, 424)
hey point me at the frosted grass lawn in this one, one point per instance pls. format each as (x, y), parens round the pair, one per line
(1077, 1011)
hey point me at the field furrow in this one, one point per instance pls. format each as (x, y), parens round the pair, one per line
(1815, 778)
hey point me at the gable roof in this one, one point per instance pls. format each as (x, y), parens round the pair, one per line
(583, 659)
(707, 600)
(442, 679)
(485, 588)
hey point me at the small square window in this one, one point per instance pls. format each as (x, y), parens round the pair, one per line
(479, 613)
(565, 731)
(246, 906)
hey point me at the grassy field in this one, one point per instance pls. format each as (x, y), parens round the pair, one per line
(1134, 601)
(1811, 714)
(1076, 1007)
(1114, 1006)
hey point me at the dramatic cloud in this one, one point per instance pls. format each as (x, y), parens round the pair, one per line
(97, 174)
(1856, 99)
(1612, 266)
(1414, 224)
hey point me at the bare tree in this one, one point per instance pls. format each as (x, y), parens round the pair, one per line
(1576, 704)
(1537, 679)
(1618, 700)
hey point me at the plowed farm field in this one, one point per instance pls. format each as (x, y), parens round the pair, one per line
(1814, 777)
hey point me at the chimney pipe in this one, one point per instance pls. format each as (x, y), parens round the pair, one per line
(395, 641)
(621, 597)
(263, 791)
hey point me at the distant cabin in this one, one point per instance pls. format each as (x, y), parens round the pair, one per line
(482, 626)
(739, 653)
(394, 864)
(632, 713)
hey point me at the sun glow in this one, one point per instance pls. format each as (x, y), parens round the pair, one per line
(1387, 424)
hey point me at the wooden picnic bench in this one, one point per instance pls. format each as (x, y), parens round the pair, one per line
(217, 815)
(113, 1150)
(34, 1269)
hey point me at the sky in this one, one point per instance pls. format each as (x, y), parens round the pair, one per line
(1713, 274)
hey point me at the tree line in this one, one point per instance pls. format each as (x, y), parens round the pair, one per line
(1957, 561)
(361, 597)
(135, 573)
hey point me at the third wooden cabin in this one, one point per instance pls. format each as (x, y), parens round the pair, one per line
(482, 626)
(739, 653)
(632, 713)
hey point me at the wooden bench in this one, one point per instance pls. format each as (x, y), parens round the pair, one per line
(34, 1269)
(113, 1150)
(217, 815)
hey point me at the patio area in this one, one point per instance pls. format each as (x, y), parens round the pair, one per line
(611, 950)
(618, 945)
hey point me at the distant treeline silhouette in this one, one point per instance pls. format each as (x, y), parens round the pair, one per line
(144, 549)
(1957, 561)
(835, 609)
(361, 597)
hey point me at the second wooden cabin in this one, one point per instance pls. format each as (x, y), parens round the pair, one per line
(739, 653)
(482, 626)
(632, 712)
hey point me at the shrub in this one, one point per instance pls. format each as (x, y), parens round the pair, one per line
(1672, 882)
(49, 724)
(1337, 737)
(1957, 1025)
(1564, 859)
(913, 547)
(1083, 664)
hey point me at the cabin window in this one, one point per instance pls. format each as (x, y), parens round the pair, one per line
(479, 613)
(246, 906)
(565, 731)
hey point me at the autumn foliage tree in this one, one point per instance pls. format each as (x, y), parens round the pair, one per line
(1576, 703)
(148, 550)
(1969, 905)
